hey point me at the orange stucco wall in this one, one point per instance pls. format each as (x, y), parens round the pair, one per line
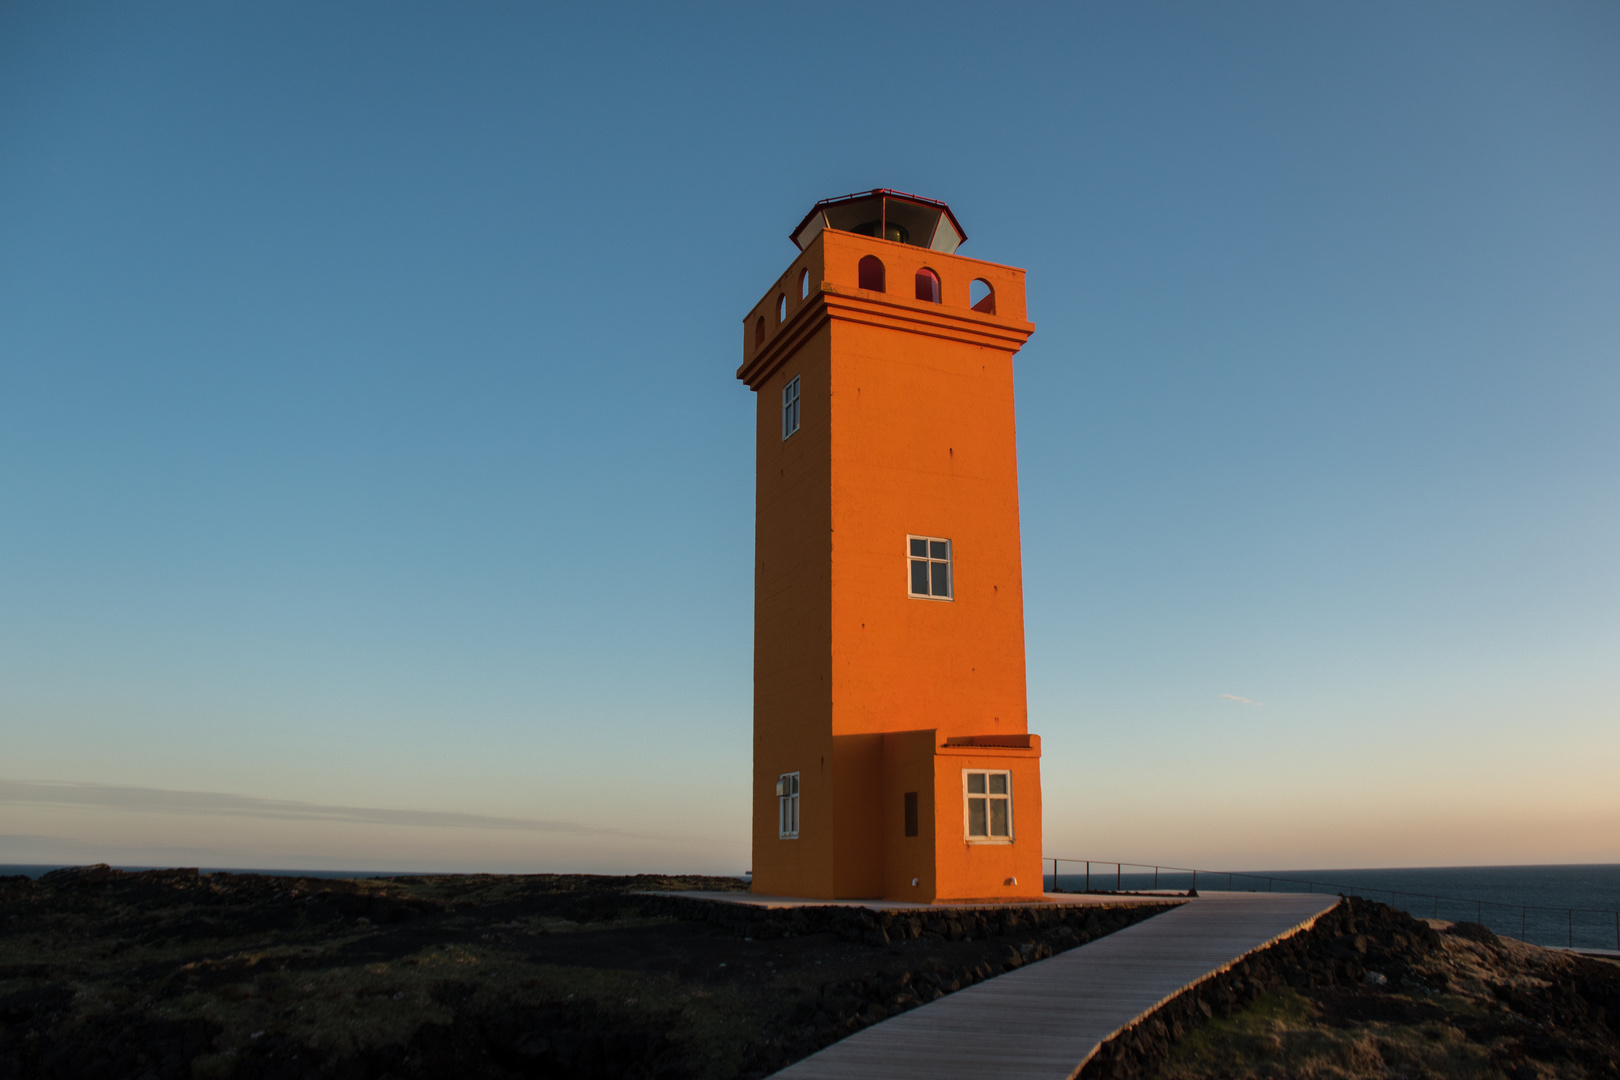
(907, 427)
(988, 871)
(909, 766)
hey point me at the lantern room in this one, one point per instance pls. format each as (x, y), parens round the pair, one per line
(890, 215)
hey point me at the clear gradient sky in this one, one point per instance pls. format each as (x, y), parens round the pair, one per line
(375, 492)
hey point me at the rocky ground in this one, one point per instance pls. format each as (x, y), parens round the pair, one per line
(1372, 992)
(170, 974)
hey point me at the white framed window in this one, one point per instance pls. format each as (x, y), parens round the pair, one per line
(987, 815)
(787, 806)
(790, 408)
(928, 567)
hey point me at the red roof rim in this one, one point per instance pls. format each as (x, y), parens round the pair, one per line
(889, 192)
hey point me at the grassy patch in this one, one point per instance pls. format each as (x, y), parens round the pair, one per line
(1286, 1035)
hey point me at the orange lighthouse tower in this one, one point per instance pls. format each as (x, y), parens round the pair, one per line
(892, 753)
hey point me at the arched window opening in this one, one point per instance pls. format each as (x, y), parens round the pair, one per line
(804, 284)
(781, 308)
(759, 332)
(871, 273)
(928, 285)
(982, 296)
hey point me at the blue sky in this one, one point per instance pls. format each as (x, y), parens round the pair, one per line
(375, 491)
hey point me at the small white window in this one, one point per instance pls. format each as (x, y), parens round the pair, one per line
(929, 558)
(787, 806)
(987, 812)
(804, 284)
(790, 408)
(781, 308)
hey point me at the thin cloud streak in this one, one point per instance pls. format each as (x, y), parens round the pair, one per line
(211, 803)
(1239, 700)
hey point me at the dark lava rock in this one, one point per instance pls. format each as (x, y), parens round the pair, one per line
(1474, 931)
(171, 973)
(1564, 1019)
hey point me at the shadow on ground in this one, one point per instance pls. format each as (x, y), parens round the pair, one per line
(171, 974)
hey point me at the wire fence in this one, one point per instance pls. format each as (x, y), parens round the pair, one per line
(1531, 923)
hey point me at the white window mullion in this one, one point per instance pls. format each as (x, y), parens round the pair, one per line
(928, 567)
(790, 408)
(787, 806)
(987, 812)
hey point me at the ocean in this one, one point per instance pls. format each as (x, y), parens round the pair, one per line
(1545, 905)
(35, 870)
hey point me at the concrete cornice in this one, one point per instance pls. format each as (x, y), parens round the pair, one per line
(836, 303)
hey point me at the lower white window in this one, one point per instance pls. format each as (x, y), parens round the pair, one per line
(987, 810)
(787, 806)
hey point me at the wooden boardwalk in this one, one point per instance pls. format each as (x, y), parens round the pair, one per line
(1045, 1020)
(1051, 899)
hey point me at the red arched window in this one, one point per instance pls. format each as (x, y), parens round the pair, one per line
(928, 285)
(759, 332)
(871, 273)
(982, 296)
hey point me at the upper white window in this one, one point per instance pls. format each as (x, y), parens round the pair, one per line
(790, 407)
(987, 812)
(930, 566)
(787, 806)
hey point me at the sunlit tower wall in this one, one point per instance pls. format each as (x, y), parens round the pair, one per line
(892, 753)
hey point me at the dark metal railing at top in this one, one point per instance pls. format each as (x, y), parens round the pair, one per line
(1453, 903)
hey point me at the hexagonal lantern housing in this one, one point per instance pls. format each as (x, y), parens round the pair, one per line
(891, 215)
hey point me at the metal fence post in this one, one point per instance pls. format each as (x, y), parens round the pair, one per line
(1119, 876)
(1088, 875)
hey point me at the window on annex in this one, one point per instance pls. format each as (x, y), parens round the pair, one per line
(781, 308)
(790, 408)
(989, 805)
(804, 284)
(930, 566)
(787, 806)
